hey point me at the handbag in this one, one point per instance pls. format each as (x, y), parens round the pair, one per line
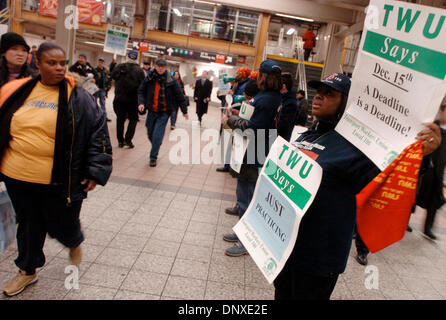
(7, 220)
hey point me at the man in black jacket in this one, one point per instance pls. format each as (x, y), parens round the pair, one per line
(103, 81)
(128, 77)
(82, 67)
(202, 94)
(159, 94)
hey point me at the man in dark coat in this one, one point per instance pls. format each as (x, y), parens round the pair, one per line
(128, 77)
(83, 68)
(202, 94)
(159, 94)
(285, 118)
(430, 189)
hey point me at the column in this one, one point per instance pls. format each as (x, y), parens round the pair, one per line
(66, 33)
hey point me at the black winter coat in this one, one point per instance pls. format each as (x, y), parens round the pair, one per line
(288, 114)
(174, 96)
(85, 149)
(128, 77)
(430, 186)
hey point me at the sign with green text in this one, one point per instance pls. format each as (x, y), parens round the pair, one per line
(284, 191)
(399, 79)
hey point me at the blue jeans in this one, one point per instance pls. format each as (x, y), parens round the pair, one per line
(101, 96)
(244, 193)
(173, 118)
(156, 125)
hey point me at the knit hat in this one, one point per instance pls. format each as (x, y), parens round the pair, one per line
(11, 39)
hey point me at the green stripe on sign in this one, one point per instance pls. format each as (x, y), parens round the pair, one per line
(427, 61)
(296, 194)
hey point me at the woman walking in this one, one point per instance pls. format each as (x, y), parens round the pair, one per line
(54, 149)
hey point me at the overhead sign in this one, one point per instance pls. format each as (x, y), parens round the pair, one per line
(399, 79)
(143, 47)
(116, 39)
(284, 191)
(192, 54)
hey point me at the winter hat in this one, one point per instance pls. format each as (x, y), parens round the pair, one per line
(11, 39)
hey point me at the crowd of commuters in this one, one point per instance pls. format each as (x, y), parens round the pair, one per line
(55, 148)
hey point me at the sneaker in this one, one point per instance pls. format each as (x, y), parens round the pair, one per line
(153, 163)
(232, 211)
(130, 145)
(76, 255)
(230, 237)
(361, 258)
(237, 250)
(19, 283)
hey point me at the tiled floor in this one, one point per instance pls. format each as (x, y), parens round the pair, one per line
(156, 233)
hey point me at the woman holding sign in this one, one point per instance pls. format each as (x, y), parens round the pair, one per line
(265, 104)
(325, 232)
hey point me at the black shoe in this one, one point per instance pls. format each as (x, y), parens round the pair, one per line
(130, 145)
(108, 120)
(153, 163)
(361, 258)
(409, 228)
(232, 211)
(121, 145)
(223, 169)
(430, 235)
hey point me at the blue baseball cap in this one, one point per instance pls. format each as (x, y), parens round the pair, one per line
(268, 66)
(338, 81)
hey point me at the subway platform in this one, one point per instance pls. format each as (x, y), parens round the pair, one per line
(157, 233)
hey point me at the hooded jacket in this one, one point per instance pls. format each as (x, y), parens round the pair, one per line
(82, 148)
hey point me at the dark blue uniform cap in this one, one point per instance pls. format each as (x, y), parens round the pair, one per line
(336, 81)
(268, 66)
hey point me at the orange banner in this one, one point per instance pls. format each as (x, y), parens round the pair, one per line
(89, 11)
(384, 205)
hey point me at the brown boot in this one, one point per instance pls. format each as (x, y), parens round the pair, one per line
(76, 255)
(232, 211)
(19, 283)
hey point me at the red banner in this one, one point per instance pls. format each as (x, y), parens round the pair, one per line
(384, 205)
(48, 8)
(89, 11)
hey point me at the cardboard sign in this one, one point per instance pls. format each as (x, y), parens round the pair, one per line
(116, 40)
(246, 111)
(286, 187)
(399, 79)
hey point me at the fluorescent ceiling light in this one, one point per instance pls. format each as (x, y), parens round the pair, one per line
(177, 12)
(94, 43)
(290, 31)
(203, 2)
(293, 17)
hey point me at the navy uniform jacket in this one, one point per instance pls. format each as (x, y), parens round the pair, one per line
(326, 230)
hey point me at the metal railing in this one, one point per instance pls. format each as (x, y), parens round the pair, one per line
(300, 72)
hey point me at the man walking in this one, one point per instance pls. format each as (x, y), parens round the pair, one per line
(202, 94)
(82, 67)
(128, 77)
(159, 94)
(103, 81)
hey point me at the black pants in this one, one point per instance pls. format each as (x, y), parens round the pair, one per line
(361, 248)
(125, 110)
(41, 209)
(307, 54)
(430, 218)
(293, 285)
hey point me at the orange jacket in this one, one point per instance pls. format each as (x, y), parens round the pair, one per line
(309, 39)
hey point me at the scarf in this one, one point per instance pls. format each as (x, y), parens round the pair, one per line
(15, 101)
(161, 79)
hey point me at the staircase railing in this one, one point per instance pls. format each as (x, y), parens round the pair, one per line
(300, 72)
